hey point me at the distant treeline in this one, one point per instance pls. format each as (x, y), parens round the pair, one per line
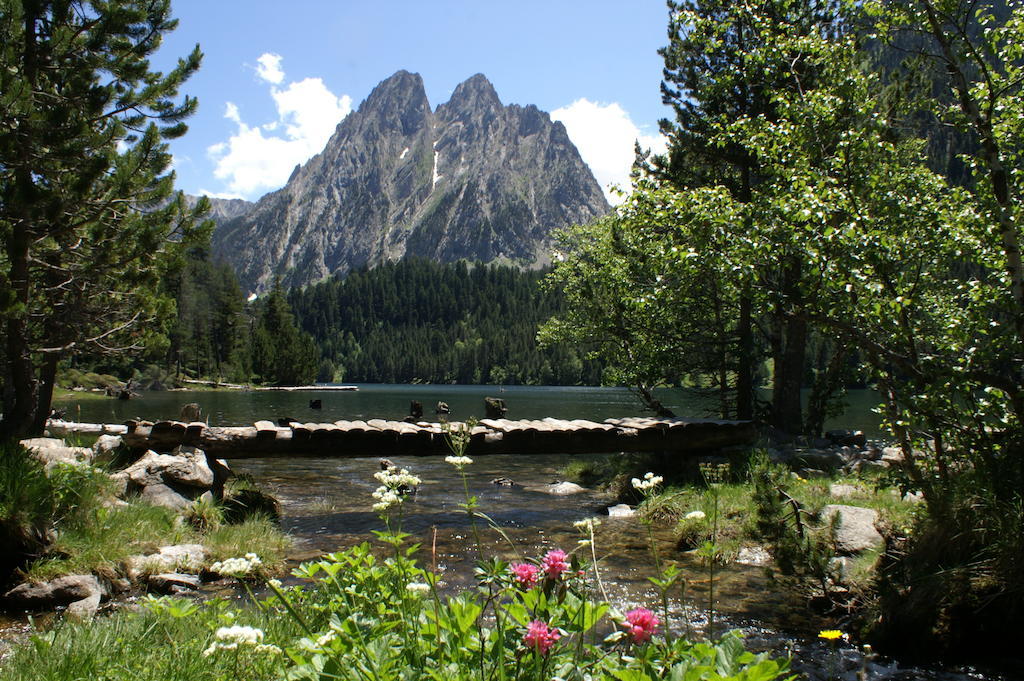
(416, 320)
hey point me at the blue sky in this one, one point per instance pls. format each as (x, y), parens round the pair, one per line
(277, 76)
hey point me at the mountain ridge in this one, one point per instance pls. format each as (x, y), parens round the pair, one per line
(472, 179)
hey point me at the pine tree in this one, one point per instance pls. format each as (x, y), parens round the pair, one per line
(86, 226)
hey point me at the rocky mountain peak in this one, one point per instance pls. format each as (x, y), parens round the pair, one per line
(472, 180)
(475, 94)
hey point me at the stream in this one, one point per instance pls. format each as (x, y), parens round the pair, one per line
(326, 506)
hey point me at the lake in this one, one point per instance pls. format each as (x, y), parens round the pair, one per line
(243, 407)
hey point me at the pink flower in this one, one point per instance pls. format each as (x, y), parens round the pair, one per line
(554, 563)
(540, 636)
(526, 574)
(641, 624)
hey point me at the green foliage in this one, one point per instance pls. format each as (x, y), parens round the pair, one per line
(376, 626)
(238, 539)
(419, 321)
(635, 284)
(37, 506)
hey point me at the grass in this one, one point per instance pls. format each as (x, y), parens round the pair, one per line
(160, 644)
(103, 543)
(258, 533)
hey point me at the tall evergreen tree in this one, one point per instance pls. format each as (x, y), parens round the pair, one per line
(282, 354)
(86, 227)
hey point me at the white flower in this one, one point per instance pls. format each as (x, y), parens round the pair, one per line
(417, 588)
(326, 638)
(649, 482)
(395, 483)
(240, 634)
(237, 567)
(268, 648)
(459, 462)
(386, 498)
(274, 583)
(229, 638)
(694, 515)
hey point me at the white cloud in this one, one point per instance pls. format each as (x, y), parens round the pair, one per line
(218, 195)
(259, 158)
(268, 67)
(605, 135)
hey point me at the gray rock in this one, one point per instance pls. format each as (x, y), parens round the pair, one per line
(106, 444)
(85, 608)
(869, 466)
(173, 480)
(820, 459)
(121, 484)
(174, 558)
(172, 582)
(892, 455)
(159, 494)
(52, 451)
(621, 511)
(186, 466)
(81, 592)
(856, 531)
(842, 491)
(756, 556)
(565, 488)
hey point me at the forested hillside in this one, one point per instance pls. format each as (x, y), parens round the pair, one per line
(416, 320)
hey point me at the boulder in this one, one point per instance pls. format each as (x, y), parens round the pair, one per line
(621, 511)
(892, 455)
(495, 408)
(173, 480)
(843, 491)
(168, 497)
(177, 557)
(173, 582)
(869, 466)
(856, 530)
(106, 444)
(565, 488)
(820, 459)
(81, 593)
(756, 556)
(51, 451)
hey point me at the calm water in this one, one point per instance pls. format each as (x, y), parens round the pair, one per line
(230, 407)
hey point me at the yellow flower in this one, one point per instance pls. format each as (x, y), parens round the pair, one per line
(831, 634)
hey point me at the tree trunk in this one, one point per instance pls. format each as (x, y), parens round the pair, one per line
(18, 421)
(745, 363)
(787, 409)
(47, 379)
